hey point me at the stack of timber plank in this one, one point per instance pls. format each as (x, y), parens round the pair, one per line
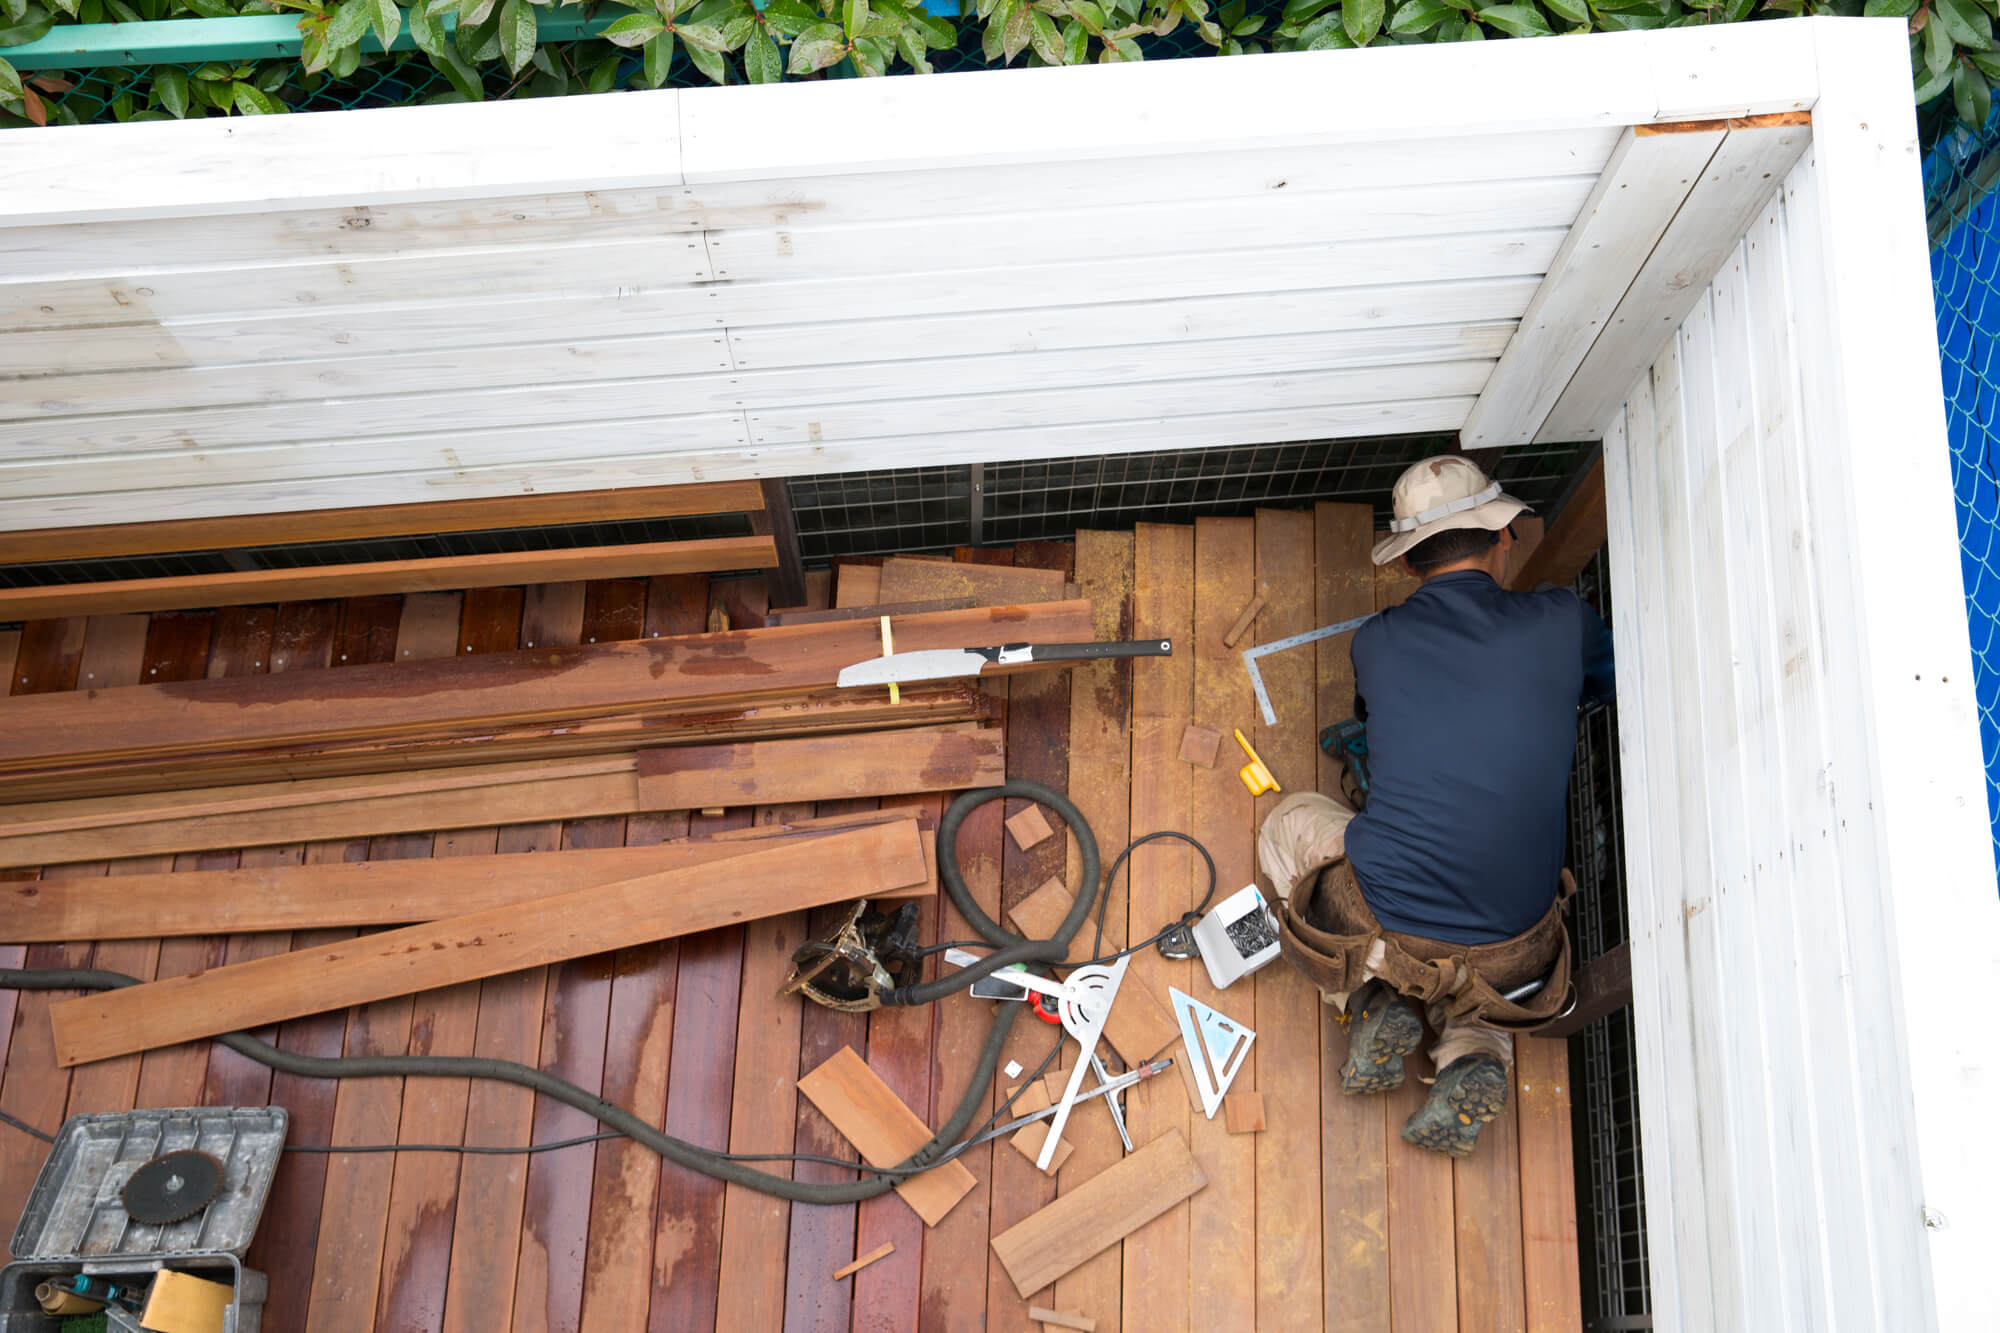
(743, 717)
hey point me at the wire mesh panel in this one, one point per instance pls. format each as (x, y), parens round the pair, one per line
(915, 509)
(1965, 272)
(1604, 1088)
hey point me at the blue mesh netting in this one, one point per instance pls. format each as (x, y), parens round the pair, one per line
(1964, 212)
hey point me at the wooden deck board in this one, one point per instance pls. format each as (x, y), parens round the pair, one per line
(606, 1236)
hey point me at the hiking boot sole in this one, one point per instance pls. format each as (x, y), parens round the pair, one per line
(1462, 1101)
(1386, 1030)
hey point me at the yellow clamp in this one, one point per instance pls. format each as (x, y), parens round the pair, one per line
(1256, 774)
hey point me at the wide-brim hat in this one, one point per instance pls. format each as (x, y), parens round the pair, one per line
(1442, 493)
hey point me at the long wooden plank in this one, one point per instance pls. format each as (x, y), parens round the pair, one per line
(687, 1250)
(572, 925)
(822, 1239)
(990, 585)
(416, 1228)
(508, 511)
(1038, 751)
(1548, 1192)
(547, 682)
(33, 1089)
(469, 804)
(114, 650)
(1222, 1219)
(1161, 889)
(360, 580)
(762, 1116)
(886, 1132)
(816, 712)
(544, 1251)
(638, 1015)
(285, 895)
(1355, 1205)
(1289, 1249)
(1109, 1207)
(355, 1212)
(888, 1294)
(302, 639)
(822, 768)
(1100, 767)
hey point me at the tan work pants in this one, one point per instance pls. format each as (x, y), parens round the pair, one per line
(1305, 834)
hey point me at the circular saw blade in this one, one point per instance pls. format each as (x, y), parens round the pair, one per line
(171, 1187)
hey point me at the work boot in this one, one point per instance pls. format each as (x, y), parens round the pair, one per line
(1471, 1091)
(1382, 1028)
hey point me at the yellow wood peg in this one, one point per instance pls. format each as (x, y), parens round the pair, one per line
(1256, 774)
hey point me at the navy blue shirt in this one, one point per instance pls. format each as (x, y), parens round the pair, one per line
(1470, 693)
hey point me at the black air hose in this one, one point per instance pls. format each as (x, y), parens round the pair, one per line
(1010, 948)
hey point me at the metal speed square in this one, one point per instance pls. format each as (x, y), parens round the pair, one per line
(1216, 1047)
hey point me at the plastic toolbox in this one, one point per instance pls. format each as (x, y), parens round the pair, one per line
(73, 1221)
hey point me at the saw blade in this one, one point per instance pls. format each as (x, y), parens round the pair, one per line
(171, 1187)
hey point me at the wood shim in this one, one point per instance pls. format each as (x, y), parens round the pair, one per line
(1028, 827)
(823, 768)
(856, 1101)
(906, 580)
(1098, 1213)
(880, 1252)
(1140, 1026)
(364, 893)
(1243, 1112)
(764, 881)
(1082, 1323)
(1200, 745)
(492, 689)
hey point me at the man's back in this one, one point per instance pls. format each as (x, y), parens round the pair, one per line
(1470, 695)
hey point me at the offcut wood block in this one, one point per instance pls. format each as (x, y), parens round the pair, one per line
(1028, 827)
(1048, 1318)
(1199, 745)
(1243, 1112)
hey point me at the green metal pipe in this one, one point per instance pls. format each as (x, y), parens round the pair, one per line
(249, 37)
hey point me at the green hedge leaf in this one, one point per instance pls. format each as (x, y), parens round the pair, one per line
(386, 19)
(1415, 16)
(872, 56)
(31, 27)
(170, 91)
(711, 63)
(1571, 11)
(425, 30)
(1018, 30)
(789, 17)
(699, 37)
(1516, 20)
(254, 101)
(1938, 49)
(10, 82)
(634, 30)
(817, 47)
(518, 33)
(1361, 19)
(1966, 23)
(1933, 86)
(1971, 96)
(761, 61)
(1048, 43)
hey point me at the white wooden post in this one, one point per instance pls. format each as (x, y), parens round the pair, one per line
(1815, 924)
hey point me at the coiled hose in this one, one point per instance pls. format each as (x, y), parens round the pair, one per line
(1009, 949)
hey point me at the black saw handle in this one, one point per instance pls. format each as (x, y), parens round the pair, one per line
(1091, 652)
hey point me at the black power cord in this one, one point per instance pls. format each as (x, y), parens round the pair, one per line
(1008, 947)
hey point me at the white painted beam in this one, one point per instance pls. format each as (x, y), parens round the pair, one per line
(1643, 186)
(1876, 420)
(251, 164)
(1739, 178)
